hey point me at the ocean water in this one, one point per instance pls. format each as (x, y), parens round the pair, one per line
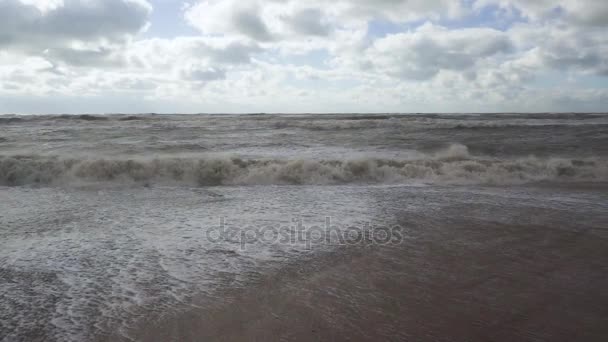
(106, 220)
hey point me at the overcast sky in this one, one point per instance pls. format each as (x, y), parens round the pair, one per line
(100, 56)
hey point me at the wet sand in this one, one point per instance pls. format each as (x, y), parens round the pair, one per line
(451, 281)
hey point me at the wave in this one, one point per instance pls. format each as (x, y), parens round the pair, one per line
(12, 119)
(337, 122)
(452, 166)
(526, 125)
(406, 122)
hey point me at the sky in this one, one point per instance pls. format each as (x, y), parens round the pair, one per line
(298, 56)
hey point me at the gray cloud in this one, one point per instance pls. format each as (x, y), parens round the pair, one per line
(27, 28)
(420, 55)
(134, 84)
(403, 10)
(563, 48)
(204, 75)
(233, 53)
(249, 23)
(575, 12)
(81, 58)
(91, 46)
(308, 22)
(567, 58)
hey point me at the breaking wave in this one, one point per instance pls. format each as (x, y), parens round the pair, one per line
(452, 166)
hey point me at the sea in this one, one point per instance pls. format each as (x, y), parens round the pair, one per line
(110, 220)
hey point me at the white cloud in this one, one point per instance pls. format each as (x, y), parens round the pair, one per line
(422, 53)
(272, 20)
(204, 74)
(32, 25)
(44, 5)
(401, 10)
(75, 31)
(288, 55)
(581, 12)
(308, 22)
(229, 17)
(563, 47)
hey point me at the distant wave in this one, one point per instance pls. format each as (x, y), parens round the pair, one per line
(527, 125)
(69, 117)
(451, 166)
(413, 121)
(10, 120)
(345, 121)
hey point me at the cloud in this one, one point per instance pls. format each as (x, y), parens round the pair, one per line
(229, 17)
(309, 22)
(28, 26)
(204, 75)
(577, 12)
(233, 53)
(401, 10)
(71, 30)
(422, 53)
(174, 53)
(588, 12)
(563, 48)
(279, 20)
(344, 55)
(85, 57)
(247, 21)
